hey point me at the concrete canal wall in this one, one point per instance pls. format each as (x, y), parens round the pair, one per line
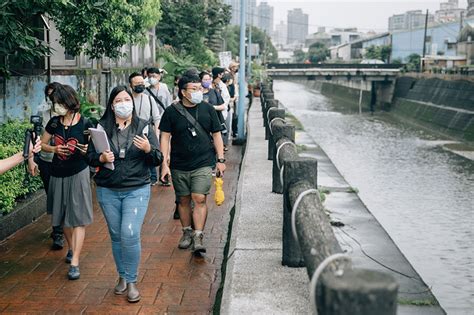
(442, 106)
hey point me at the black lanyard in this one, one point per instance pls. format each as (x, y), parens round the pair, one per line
(118, 140)
(68, 129)
(140, 109)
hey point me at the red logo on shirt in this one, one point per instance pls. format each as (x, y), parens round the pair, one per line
(71, 144)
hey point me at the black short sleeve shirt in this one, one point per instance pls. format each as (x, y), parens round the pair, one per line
(188, 152)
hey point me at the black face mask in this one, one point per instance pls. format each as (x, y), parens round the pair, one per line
(139, 88)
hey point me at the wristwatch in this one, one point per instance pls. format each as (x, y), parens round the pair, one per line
(220, 160)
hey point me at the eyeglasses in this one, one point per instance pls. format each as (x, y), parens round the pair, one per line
(195, 89)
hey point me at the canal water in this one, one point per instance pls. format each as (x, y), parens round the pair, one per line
(422, 194)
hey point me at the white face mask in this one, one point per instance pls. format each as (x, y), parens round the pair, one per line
(60, 109)
(196, 97)
(153, 81)
(123, 109)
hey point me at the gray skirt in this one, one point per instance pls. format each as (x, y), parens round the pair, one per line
(70, 199)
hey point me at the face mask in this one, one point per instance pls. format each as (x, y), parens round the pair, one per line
(206, 84)
(196, 97)
(153, 81)
(123, 109)
(139, 88)
(60, 109)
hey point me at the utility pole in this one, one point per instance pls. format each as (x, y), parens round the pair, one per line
(424, 43)
(249, 71)
(242, 85)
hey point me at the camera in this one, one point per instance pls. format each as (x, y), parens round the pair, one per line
(32, 134)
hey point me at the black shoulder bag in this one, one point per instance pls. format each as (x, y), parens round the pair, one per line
(200, 130)
(157, 100)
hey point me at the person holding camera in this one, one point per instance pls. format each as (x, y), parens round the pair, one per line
(45, 159)
(12, 161)
(123, 193)
(69, 192)
(195, 133)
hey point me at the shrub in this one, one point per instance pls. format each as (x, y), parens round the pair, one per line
(12, 184)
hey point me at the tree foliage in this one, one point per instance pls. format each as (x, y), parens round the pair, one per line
(413, 62)
(21, 31)
(190, 26)
(268, 52)
(318, 52)
(378, 52)
(100, 28)
(96, 27)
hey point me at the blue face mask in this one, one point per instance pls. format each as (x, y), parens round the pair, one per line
(206, 84)
(196, 97)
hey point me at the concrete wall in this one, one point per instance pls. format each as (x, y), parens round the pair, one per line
(20, 96)
(445, 107)
(347, 94)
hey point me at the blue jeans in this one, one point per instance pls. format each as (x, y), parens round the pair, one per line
(124, 212)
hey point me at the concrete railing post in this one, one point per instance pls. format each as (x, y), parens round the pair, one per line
(270, 106)
(338, 289)
(285, 147)
(294, 170)
(275, 115)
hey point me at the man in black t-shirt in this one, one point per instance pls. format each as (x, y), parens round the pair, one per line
(194, 143)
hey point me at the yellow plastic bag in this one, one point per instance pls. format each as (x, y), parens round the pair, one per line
(219, 197)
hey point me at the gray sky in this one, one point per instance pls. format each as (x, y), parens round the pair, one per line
(365, 15)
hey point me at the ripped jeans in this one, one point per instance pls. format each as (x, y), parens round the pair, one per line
(124, 212)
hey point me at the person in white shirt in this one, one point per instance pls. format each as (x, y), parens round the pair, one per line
(146, 109)
(158, 90)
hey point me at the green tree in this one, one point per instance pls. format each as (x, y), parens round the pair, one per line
(300, 56)
(190, 27)
(378, 52)
(413, 62)
(100, 28)
(268, 52)
(21, 31)
(318, 52)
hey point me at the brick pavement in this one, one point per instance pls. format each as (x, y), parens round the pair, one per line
(33, 277)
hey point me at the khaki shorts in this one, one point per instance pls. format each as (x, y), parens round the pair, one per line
(197, 181)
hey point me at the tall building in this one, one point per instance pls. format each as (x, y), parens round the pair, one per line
(251, 17)
(265, 17)
(280, 36)
(297, 26)
(470, 8)
(408, 20)
(449, 12)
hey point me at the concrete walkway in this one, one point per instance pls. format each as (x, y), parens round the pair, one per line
(256, 282)
(171, 281)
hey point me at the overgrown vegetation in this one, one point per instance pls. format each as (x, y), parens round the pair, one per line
(378, 52)
(96, 27)
(12, 185)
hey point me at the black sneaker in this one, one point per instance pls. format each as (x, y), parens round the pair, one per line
(153, 182)
(74, 273)
(69, 256)
(58, 241)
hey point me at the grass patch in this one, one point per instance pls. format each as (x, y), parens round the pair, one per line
(353, 190)
(417, 302)
(294, 121)
(300, 148)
